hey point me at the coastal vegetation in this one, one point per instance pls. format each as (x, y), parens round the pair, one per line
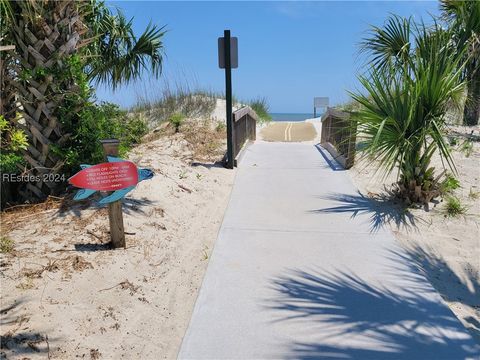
(463, 20)
(419, 73)
(261, 108)
(6, 245)
(12, 142)
(160, 103)
(449, 184)
(55, 256)
(51, 120)
(176, 120)
(454, 207)
(102, 121)
(62, 49)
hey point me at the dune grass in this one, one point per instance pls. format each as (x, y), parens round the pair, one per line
(454, 207)
(261, 108)
(159, 103)
(6, 245)
(162, 102)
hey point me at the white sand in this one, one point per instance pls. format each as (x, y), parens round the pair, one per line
(64, 296)
(220, 112)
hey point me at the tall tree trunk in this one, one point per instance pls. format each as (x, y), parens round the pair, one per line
(46, 34)
(471, 112)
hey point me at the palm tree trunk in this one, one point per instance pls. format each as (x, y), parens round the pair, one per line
(44, 43)
(471, 112)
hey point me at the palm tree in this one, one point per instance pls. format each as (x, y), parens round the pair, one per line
(416, 76)
(116, 56)
(464, 20)
(46, 35)
(60, 47)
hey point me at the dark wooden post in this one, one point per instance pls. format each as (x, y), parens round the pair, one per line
(228, 98)
(115, 215)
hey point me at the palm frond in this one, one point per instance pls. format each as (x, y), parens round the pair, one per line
(117, 56)
(389, 45)
(406, 96)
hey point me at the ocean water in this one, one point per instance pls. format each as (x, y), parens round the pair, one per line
(291, 116)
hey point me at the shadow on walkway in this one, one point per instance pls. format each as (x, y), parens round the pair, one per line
(382, 210)
(355, 319)
(332, 163)
(453, 287)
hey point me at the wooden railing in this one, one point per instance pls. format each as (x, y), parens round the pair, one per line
(244, 129)
(338, 136)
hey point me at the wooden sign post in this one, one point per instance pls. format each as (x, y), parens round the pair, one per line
(115, 215)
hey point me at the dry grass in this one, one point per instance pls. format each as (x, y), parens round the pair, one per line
(6, 245)
(18, 213)
(205, 139)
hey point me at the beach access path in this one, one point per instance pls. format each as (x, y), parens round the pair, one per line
(289, 131)
(303, 268)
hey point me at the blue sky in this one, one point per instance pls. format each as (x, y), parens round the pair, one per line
(289, 52)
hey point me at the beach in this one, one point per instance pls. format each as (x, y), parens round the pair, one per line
(66, 294)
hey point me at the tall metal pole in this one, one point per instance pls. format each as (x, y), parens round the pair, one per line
(228, 97)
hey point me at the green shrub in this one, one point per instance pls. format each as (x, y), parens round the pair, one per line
(9, 162)
(260, 106)
(176, 120)
(13, 141)
(135, 129)
(449, 184)
(453, 207)
(220, 126)
(97, 122)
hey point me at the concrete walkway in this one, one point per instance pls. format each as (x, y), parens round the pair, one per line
(294, 276)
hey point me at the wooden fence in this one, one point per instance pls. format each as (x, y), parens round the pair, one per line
(243, 129)
(338, 136)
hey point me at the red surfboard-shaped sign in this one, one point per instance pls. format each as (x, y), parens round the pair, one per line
(106, 176)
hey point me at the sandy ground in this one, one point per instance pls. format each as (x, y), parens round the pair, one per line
(65, 295)
(220, 111)
(447, 249)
